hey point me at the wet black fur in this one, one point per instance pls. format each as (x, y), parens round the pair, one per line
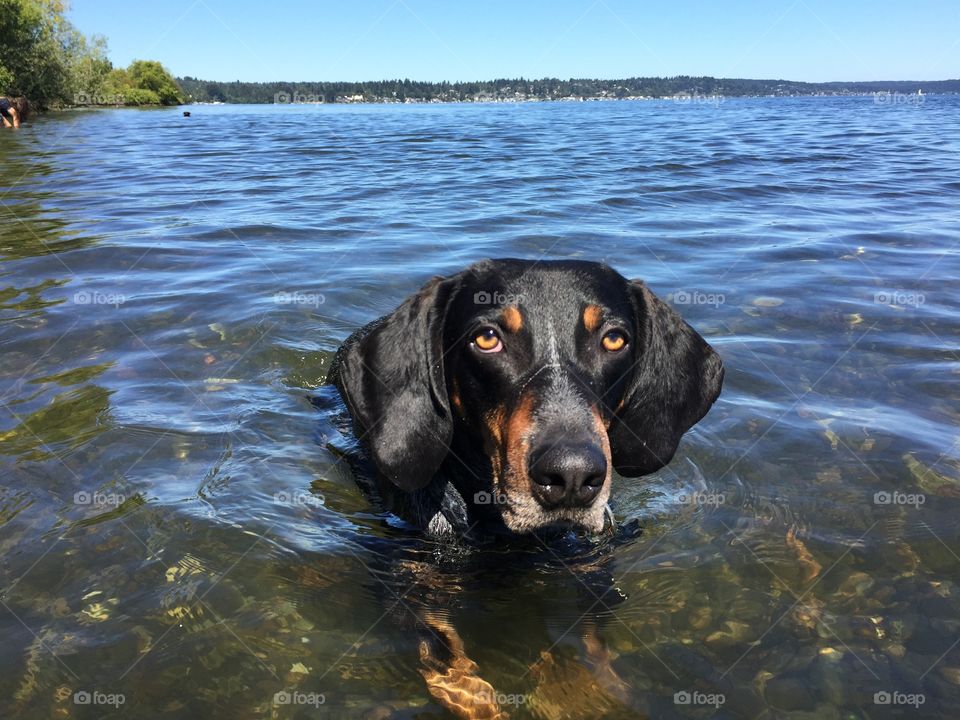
(395, 376)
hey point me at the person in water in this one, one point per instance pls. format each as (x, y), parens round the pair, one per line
(13, 111)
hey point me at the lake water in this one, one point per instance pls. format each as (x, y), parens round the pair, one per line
(177, 535)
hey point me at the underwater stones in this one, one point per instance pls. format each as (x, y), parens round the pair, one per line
(720, 640)
(750, 605)
(225, 599)
(699, 617)
(950, 674)
(930, 481)
(938, 607)
(767, 301)
(380, 712)
(789, 693)
(826, 677)
(854, 584)
(907, 560)
(821, 712)
(926, 640)
(566, 689)
(807, 615)
(895, 650)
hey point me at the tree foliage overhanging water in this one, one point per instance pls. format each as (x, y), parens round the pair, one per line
(44, 58)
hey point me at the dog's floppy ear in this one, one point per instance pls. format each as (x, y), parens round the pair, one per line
(391, 376)
(675, 380)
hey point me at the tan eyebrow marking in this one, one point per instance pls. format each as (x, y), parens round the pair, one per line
(592, 315)
(512, 319)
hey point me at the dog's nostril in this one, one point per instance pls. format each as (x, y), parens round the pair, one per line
(547, 479)
(595, 480)
(550, 494)
(568, 475)
(586, 494)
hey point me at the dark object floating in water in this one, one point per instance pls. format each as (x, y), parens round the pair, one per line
(186, 113)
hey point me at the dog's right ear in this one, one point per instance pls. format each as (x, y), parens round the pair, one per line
(391, 376)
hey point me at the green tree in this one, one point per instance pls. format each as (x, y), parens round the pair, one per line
(141, 96)
(89, 71)
(115, 85)
(45, 58)
(34, 54)
(152, 76)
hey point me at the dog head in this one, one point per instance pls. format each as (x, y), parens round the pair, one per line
(533, 381)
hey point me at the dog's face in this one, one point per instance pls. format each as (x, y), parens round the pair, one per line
(533, 381)
(538, 359)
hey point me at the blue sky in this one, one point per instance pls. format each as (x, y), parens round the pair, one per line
(813, 40)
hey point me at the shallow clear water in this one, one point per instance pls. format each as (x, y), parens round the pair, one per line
(176, 532)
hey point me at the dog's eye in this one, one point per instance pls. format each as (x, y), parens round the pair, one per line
(614, 341)
(488, 341)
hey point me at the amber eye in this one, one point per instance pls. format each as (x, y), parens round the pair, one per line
(614, 341)
(488, 341)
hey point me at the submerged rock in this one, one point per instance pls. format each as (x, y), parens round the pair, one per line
(790, 693)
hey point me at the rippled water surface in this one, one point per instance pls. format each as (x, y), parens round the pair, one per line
(177, 534)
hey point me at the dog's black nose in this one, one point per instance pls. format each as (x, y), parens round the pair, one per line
(567, 475)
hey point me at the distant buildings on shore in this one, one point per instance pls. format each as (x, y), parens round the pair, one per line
(706, 90)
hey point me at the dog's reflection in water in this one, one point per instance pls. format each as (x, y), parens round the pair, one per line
(504, 632)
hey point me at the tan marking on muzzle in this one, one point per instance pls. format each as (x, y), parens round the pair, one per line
(494, 422)
(601, 429)
(519, 430)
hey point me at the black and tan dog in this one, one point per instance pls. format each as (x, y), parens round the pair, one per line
(501, 399)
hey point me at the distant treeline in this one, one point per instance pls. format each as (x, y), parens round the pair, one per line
(197, 90)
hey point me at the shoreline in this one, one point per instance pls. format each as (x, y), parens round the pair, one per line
(682, 87)
(880, 98)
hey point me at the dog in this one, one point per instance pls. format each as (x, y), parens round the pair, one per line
(499, 401)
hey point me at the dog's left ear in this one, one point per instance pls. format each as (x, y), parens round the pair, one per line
(676, 378)
(392, 378)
